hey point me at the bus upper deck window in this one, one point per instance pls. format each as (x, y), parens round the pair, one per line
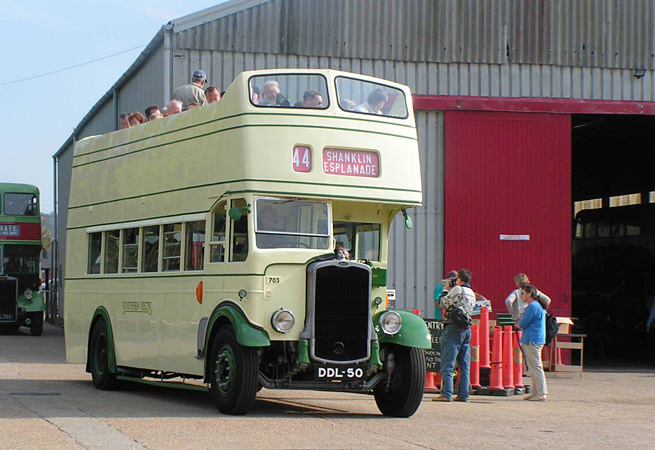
(20, 204)
(289, 91)
(365, 97)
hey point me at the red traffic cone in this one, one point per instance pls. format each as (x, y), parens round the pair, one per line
(429, 382)
(475, 356)
(484, 338)
(496, 379)
(508, 358)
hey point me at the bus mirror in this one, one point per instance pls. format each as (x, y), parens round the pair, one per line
(408, 220)
(237, 212)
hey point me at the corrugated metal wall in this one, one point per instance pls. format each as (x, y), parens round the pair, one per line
(416, 255)
(145, 87)
(508, 80)
(583, 33)
(103, 121)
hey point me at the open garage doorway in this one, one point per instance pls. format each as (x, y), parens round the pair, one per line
(613, 190)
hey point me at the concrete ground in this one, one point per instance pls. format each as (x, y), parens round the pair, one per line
(46, 403)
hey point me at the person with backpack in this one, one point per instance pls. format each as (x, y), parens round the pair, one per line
(533, 324)
(456, 337)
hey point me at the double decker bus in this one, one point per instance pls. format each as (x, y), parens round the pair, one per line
(21, 302)
(206, 249)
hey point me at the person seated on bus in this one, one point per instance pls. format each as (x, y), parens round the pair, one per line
(212, 94)
(341, 252)
(155, 116)
(312, 99)
(193, 105)
(255, 94)
(373, 105)
(174, 107)
(150, 110)
(271, 95)
(124, 119)
(136, 118)
(267, 220)
(347, 104)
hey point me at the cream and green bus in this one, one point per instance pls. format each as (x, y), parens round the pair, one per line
(206, 249)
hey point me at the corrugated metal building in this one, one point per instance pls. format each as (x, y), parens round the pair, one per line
(496, 82)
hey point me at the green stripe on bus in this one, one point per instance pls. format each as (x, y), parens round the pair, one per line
(243, 180)
(386, 200)
(235, 116)
(4, 242)
(125, 276)
(232, 129)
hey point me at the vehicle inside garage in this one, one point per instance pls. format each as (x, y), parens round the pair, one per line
(613, 249)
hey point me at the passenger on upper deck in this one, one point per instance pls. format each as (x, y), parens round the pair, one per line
(312, 99)
(193, 105)
(347, 104)
(124, 120)
(373, 105)
(256, 95)
(136, 118)
(212, 94)
(150, 110)
(174, 107)
(192, 92)
(271, 95)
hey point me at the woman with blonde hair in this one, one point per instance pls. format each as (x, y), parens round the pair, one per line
(515, 305)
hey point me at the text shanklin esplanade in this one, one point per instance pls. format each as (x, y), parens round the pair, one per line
(350, 162)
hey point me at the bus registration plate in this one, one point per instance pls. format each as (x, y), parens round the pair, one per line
(339, 373)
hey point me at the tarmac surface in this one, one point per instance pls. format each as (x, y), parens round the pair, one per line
(47, 403)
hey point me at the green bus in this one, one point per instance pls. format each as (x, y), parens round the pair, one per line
(21, 302)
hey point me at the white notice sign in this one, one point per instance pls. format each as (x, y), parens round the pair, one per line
(514, 237)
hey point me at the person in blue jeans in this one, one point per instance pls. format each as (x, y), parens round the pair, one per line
(455, 342)
(441, 290)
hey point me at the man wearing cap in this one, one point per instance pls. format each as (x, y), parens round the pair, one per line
(193, 91)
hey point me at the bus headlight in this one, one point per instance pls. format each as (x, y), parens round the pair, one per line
(28, 294)
(283, 321)
(391, 322)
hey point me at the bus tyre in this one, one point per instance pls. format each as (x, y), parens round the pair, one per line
(103, 379)
(36, 327)
(233, 371)
(402, 394)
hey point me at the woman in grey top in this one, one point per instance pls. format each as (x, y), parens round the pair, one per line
(515, 305)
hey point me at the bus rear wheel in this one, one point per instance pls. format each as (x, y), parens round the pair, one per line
(402, 394)
(103, 378)
(233, 371)
(36, 327)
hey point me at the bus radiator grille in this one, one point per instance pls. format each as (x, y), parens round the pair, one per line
(341, 313)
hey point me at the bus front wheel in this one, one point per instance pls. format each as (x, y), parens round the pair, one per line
(103, 379)
(233, 371)
(36, 327)
(401, 395)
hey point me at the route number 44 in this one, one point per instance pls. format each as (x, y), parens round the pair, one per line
(302, 159)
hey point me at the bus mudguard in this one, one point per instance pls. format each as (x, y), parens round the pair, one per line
(413, 332)
(247, 334)
(102, 314)
(35, 304)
